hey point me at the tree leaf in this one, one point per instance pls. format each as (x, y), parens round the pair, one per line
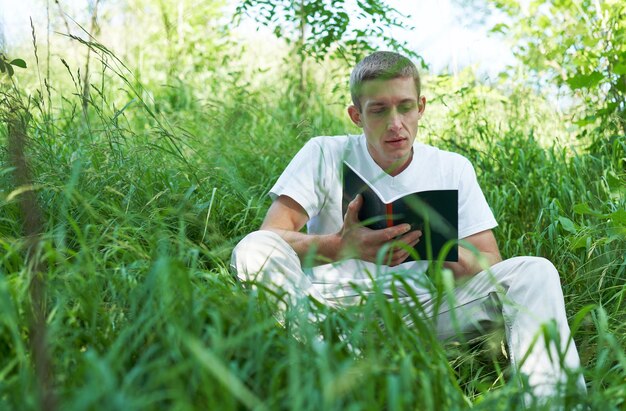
(616, 183)
(618, 217)
(19, 63)
(619, 68)
(590, 119)
(583, 208)
(568, 225)
(585, 80)
(580, 242)
(501, 28)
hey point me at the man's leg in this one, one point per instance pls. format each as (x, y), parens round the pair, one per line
(524, 293)
(265, 258)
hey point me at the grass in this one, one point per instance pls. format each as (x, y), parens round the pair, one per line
(145, 197)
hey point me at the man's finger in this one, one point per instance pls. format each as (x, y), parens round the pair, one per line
(411, 238)
(352, 214)
(398, 257)
(392, 233)
(398, 254)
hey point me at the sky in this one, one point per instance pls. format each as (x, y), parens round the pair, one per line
(446, 37)
(14, 19)
(446, 40)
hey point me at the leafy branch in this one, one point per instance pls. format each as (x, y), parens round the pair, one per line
(6, 66)
(332, 29)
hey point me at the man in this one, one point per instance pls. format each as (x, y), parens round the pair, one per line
(387, 105)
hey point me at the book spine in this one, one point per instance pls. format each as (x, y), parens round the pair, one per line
(389, 212)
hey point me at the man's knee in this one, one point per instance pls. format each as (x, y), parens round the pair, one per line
(541, 270)
(250, 251)
(537, 274)
(252, 242)
(255, 251)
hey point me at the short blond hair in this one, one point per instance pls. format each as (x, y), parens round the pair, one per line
(381, 65)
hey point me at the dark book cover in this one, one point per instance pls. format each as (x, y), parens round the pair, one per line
(433, 212)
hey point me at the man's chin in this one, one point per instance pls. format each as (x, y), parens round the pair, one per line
(400, 160)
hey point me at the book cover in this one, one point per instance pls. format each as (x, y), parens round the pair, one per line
(434, 212)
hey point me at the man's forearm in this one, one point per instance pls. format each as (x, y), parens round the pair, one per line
(286, 217)
(323, 248)
(470, 264)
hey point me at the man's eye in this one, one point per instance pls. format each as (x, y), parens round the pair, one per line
(404, 108)
(378, 110)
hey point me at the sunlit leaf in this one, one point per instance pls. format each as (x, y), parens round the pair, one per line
(585, 80)
(619, 68)
(586, 121)
(499, 28)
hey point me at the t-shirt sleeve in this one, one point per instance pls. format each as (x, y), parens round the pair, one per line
(474, 212)
(304, 179)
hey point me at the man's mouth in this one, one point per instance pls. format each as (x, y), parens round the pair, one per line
(396, 140)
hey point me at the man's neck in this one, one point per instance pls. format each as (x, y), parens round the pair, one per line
(399, 166)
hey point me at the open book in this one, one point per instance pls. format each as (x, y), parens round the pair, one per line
(434, 212)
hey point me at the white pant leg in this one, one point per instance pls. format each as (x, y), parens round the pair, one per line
(265, 258)
(524, 292)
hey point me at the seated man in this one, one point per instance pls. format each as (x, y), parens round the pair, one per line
(525, 291)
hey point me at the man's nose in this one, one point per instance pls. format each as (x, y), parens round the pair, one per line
(394, 122)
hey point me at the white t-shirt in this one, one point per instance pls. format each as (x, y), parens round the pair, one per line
(313, 180)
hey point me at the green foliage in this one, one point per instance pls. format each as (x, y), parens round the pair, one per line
(579, 45)
(184, 36)
(148, 190)
(6, 65)
(323, 29)
(329, 31)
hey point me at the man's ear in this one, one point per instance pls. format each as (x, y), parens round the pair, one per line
(421, 106)
(355, 115)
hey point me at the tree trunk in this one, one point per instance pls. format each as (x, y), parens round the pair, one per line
(33, 229)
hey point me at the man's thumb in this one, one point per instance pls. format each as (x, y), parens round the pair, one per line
(352, 214)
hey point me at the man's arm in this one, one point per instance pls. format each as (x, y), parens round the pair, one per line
(286, 217)
(469, 263)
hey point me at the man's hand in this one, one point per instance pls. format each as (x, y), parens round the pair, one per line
(286, 217)
(364, 243)
(470, 263)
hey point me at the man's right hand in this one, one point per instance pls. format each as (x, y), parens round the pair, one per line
(364, 243)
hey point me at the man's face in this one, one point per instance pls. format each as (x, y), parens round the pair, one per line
(390, 112)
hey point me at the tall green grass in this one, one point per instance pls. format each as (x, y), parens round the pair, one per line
(565, 202)
(145, 196)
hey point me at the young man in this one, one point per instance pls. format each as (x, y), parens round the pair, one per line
(525, 292)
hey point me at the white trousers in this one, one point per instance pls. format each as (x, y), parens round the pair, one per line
(522, 292)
